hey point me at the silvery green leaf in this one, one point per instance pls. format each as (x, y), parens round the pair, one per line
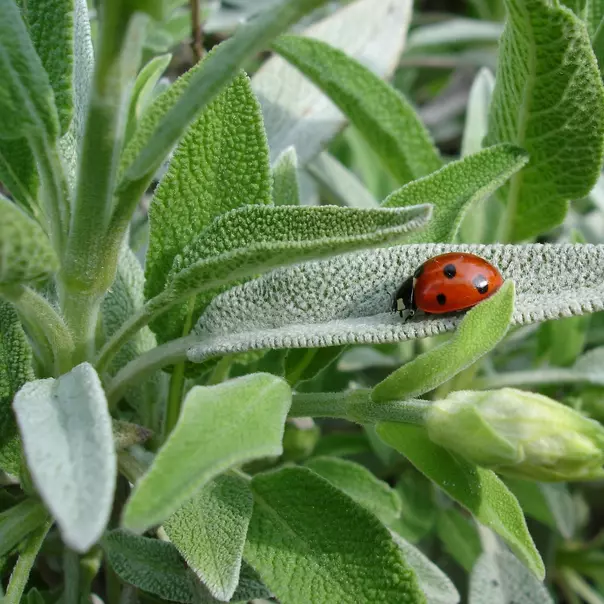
(347, 299)
(477, 114)
(548, 96)
(453, 31)
(296, 113)
(500, 579)
(66, 433)
(286, 189)
(459, 536)
(338, 184)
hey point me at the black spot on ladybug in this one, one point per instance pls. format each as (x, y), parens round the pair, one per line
(450, 271)
(441, 299)
(481, 284)
(418, 271)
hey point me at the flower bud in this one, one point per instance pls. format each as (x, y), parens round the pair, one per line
(520, 434)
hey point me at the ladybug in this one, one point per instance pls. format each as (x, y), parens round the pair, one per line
(447, 283)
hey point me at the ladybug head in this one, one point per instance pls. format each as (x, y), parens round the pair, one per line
(404, 300)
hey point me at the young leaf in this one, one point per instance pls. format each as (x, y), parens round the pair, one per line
(302, 364)
(210, 529)
(298, 552)
(360, 484)
(372, 33)
(460, 537)
(286, 189)
(348, 299)
(499, 578)
(456, 187)
(18, 522)
(384, 118)
(66, 432)
(477, 489)
(219, 427)
(549, 100)
(15, 369)
(479, 331)
(26, 253)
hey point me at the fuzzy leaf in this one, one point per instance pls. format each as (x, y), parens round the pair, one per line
(15, 369)
(19, 521)
(385, 119)
(460, 537)
(499, 578)
(549, 100)
(219, 427)
(25, 251)
(347, 299)
(27, 101)
(66, 432)
(360, 484)
(251, 240)
(286, 190)
(298, 552)
(221, 164)
(210, 529)
(477, 489)
(296, 112)
(478, 333)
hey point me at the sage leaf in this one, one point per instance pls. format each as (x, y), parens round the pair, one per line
(373, 34)
(18, 172)
(66, 432)
(360, 484)
(286, 189)
(219, 427)
(478, 490)
(26, 253)
(460, 537)
(479, 331)
(348, 299)
(210, 529)
(499, 578)
(437, 587)
(384, 118)
(548, 96)
(18, 522)
(297, 552)
(15, 369)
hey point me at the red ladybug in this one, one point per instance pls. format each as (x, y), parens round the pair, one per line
(447, 283)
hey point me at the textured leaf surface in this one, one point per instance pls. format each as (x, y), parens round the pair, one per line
(478, 333)
(252, 240)
(66, 432)
(499, 578)
(360, 484)
(18, 171)
(549, 100)
(219, 427)
(347, 300)
(210, 529)
(25, 251)
(15, 369)
(17, 522)
(382, 116)
(286, 189)
(296, 112)
(477, 489)
(454, 189)
(343, 554)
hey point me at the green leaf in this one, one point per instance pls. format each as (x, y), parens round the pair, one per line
(437, 587)
(372, 33)
(386, 120)
(348, 299)
(219, 427)
(18, 172)
(286, 190)
(456, 187)
(15, 369)
(549, 100)
(303, 364)
(66, 432)
(254, 239)
(563, 340)
(360, 484)
(18, 522)
(478, 490)
(27, 102)
(459, 537)
(298, 552)
(453, 31)
(209, 532)
(500, 578)
(479, 331)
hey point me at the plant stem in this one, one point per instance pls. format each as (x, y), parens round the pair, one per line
(71, 570)
(221, 371)
(22, 570)
(196, 31)
(82, 311)
(578, 586)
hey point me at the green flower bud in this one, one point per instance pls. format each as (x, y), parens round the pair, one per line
(520, 434)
